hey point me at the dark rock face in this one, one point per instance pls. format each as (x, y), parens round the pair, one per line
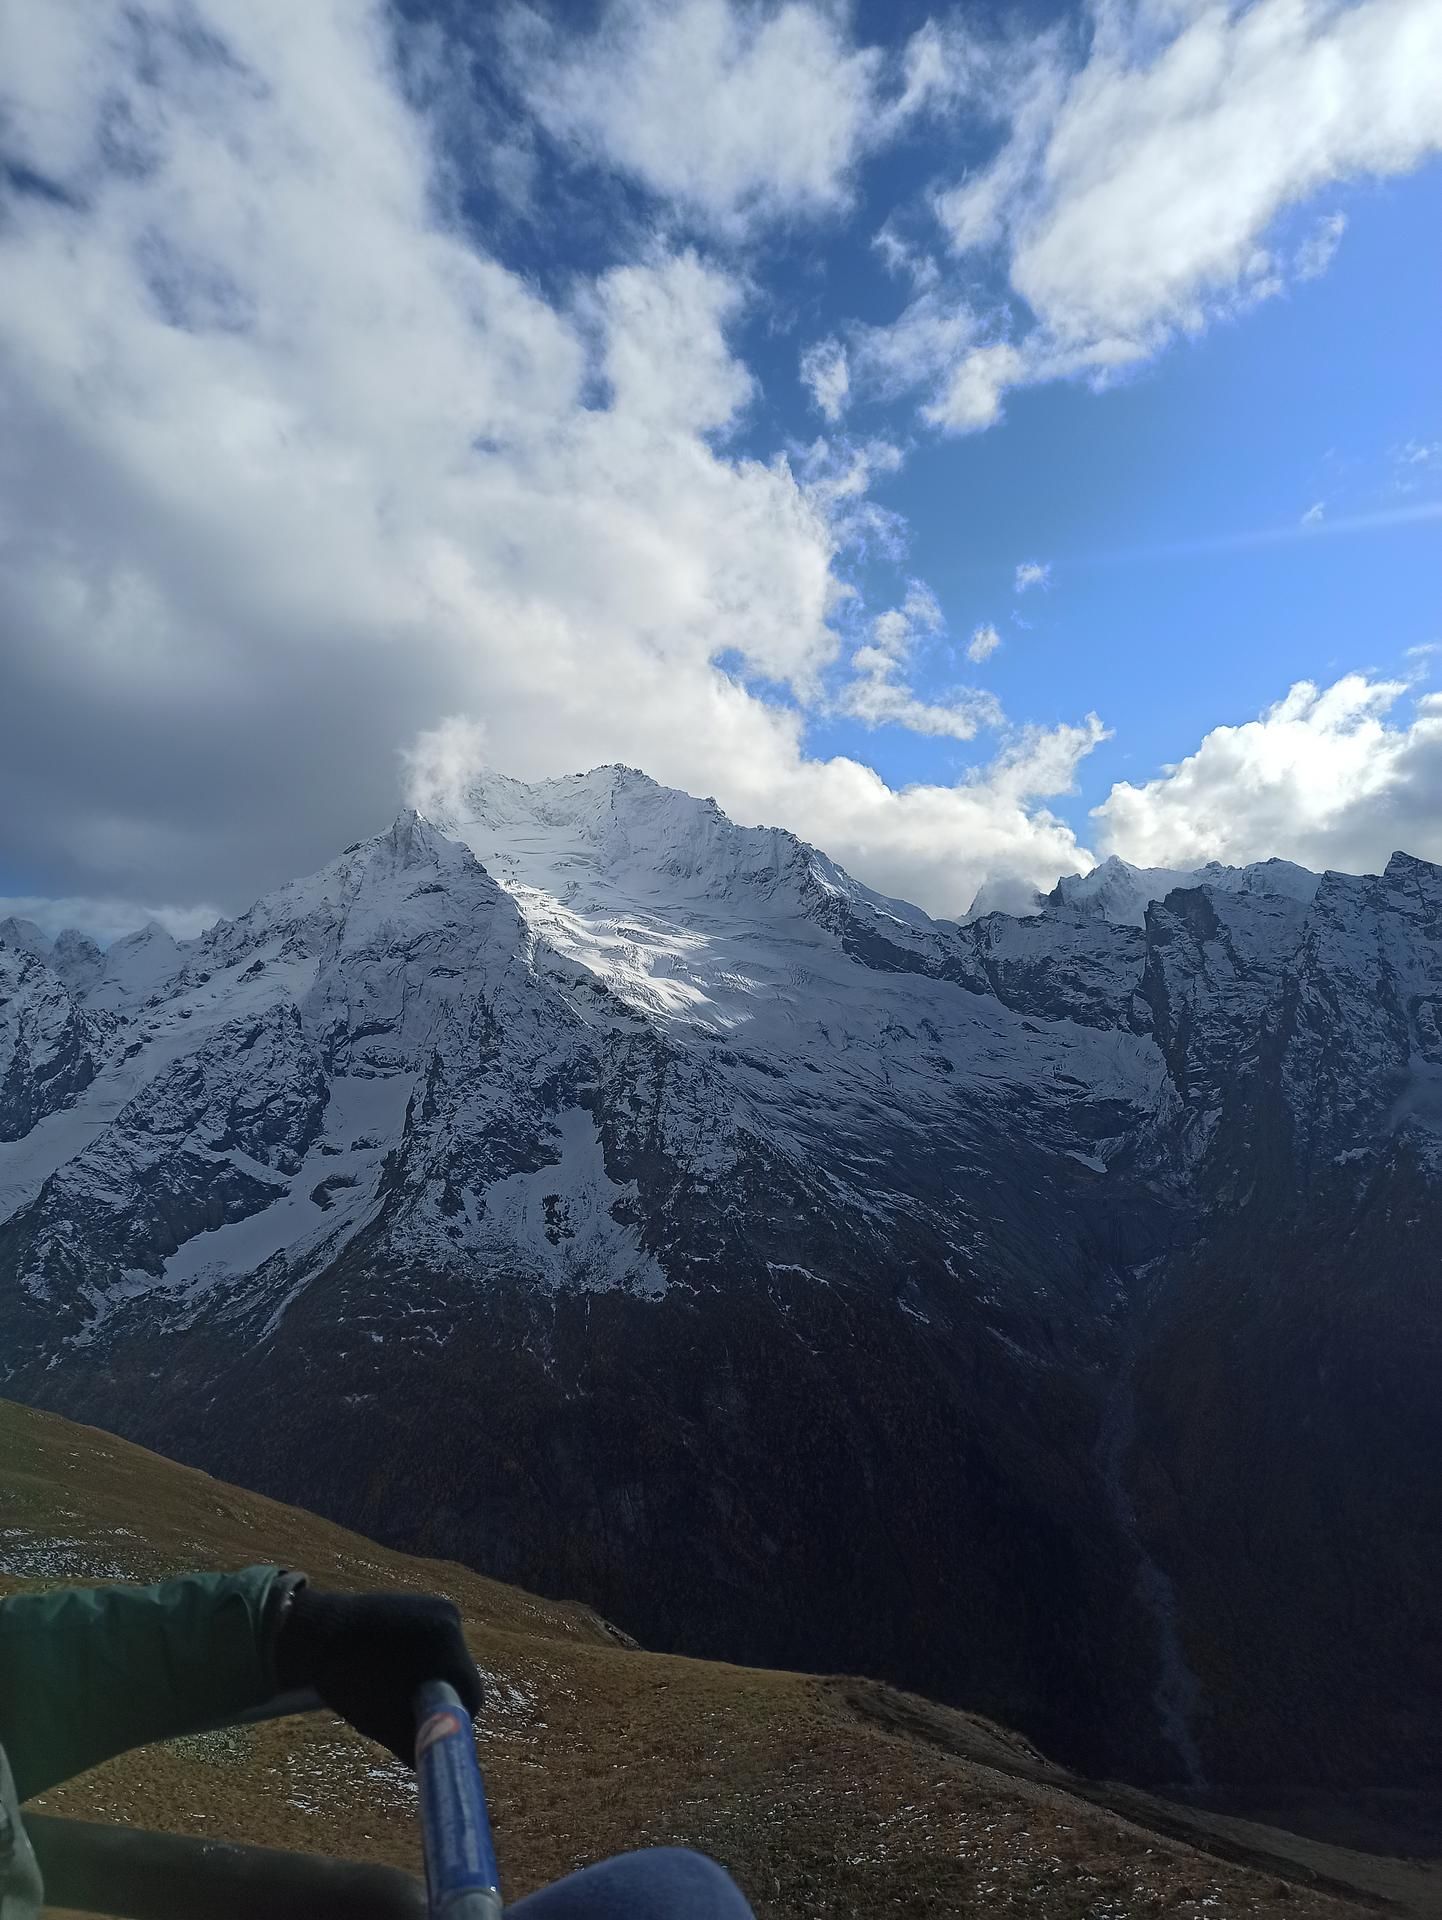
(1063, 966)
(1289, 1433)
(76, 960)
(47, 1046)
(1290, 1427)
(1038, 1313)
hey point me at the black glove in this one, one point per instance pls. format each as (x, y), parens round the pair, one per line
(366, 1653)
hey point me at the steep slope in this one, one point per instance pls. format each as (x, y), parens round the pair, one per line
(825, 1285)
(672, 1175)
(1289, 1413)
(23, 936)
(822, 1796)
(73, 957)
(48, 1048)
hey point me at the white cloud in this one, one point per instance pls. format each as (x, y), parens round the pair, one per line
(1326, 777)
(827, 376)
(921, 610)
(1136, 193)
(293, 468)
(1042, 761)
(1163, 169)
(736, 113)
(879, 699)
(1032, 573)
(1319, 249)
(1315, 514)
(440, 759)
(971, 398)
(941, 67)
(878, 694)
(917, 348)
(837, 475)
(664, 354)
(1414, 465)
(1028, 86)
(983, 644)
(904, 257)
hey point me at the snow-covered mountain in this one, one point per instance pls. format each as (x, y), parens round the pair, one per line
(73, 956)
(638, 1206)
(1121, 893)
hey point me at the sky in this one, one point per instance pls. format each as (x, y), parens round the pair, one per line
(981, 440)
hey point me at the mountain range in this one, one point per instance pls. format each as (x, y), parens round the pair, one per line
(1037, 1311)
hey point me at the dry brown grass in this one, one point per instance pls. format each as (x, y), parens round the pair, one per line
(825, 1798)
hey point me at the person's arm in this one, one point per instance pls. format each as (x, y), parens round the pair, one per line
(86, 1673)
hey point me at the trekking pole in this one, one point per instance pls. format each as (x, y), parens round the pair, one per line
(462, 1880)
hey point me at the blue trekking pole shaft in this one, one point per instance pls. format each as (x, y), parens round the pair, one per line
(462, 1880)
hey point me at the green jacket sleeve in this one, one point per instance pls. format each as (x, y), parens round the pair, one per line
(89, 1672)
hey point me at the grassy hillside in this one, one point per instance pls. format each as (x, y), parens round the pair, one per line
(825, 1797)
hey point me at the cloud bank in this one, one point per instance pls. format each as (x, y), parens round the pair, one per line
(308, 480)
(294, 467)
(1141, 181)
(1326, 777)
(740, 115)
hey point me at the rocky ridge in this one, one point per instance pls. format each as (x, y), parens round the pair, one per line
(841, 1287)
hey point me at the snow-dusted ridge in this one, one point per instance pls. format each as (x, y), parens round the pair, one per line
(500, 955)
(1121, 893)
(756, 1234)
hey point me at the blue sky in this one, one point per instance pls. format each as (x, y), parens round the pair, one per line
(1165, 609)
(395, 387)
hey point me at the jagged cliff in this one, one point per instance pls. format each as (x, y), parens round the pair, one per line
(1034, 1311)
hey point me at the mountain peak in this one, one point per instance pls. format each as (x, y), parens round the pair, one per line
(620, 775)
(1119, 892)
(135, 966)
(800, 1147)
(413, 840)
(618, 830)
(77, 959)
(25, 936)
(1415, 885)
(1005, 893)
(1409, 869)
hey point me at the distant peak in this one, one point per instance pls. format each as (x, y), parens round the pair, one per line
(619, 774)
(411, 840)
(410, 831)
(72, 940)
(25, 936)
(613, 781)
(615, 830)
(77, 959)
(1005, 893)
(1410, 870)
(587, 803)
(148, 935)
